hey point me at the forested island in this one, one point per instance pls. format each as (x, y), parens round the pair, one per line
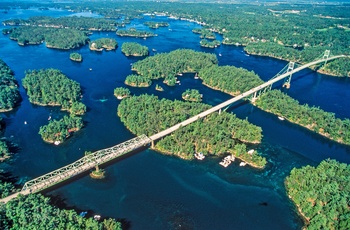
(59, 130)
(132, 32)
(168, 65)
(76, 57)
(312, 118)
(53, 38)
(204, 33)
(148, 115)
(121, 92)
(321, 194)
(209, 44)
(51, 87)
(134, 49)
(156, 25)
(192, 95)
(35, 210)
(137, 81)
(103, 43)
(229, 79)
(9, 93)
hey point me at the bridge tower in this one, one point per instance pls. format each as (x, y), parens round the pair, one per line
(290, 69)
(326, 55)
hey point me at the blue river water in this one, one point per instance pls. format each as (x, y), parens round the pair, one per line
(149, 190)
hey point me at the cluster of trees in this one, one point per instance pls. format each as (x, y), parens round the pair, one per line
(4, 150)
(121, 92)
(76, 57)
(215, 134)
(103, 43)
(134, 49)
(313, 118)
(78, 23)
(192, 95)
(36, 212)
(204, 33)
(209, 44)
(168, 65)
(52, 87)
(229, 79)
(59, 130)
(54, 38)
(132, 32)
(9, 93)
(322, 194)
(156, 25)
(137, 81)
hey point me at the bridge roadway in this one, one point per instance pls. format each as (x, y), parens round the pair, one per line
(237, 98)
(88, 162)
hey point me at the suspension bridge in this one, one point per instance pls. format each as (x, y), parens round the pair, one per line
(105, 155)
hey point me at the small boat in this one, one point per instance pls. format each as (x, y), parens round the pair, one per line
(225, 163)
(154, 50)
(251, 151)
(178, 82)
(242, 163)
(281, 118)
(180, 74)
(25, 122)
(83, 214)
(220, 54)
(90, 69)
(57, 142)
(97, 217)
(49, 118)
(199, 156)
(196, 76)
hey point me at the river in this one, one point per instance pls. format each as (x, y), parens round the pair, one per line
(149, 190)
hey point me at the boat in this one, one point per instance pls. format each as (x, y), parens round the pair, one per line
(57, 142)
(90, 69)
(180, 74)
(83, 214)
(25, 122)
(97, 217)
(220, 54)
(154, 50)
(281, 118)
(225, 163)
(49, 118)
(242, 163)
(178, 82)
(251, 151)
(196, 76)
(199, 156)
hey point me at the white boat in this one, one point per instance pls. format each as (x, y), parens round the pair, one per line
(242, 163)
(281, 118)
(199, 156)
(97, 217)
(90, 69)
(49, 118)
(154, 50)
(220, 54)
(225, 163)
(196, 76)
(178, 82)
(251, 151)
(57, 142)
(25, 122)
(180, 74)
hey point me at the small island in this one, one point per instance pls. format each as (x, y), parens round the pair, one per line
(9, 93)
(132, 32)
(50, 87)
(5, 152)
(137, 81)
(59, 130)
(76, 57)
(121, 92)
(321, 194)
(134, 49)
(156, 25)
(209, 44)
(103, 43)
(192, 95)
(159, 88)
(205, 33)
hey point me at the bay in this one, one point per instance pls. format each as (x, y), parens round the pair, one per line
(149, 190)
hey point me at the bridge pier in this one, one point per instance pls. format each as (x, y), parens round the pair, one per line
(287, 85)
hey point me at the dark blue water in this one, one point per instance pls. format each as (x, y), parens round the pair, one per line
(151, 191)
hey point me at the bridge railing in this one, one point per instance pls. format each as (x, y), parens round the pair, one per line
(85, 163)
